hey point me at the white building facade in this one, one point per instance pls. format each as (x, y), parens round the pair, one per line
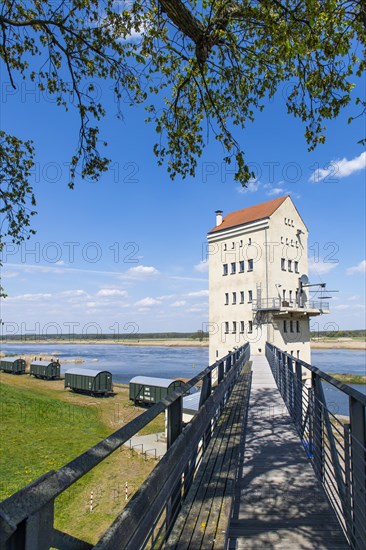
(258, 281)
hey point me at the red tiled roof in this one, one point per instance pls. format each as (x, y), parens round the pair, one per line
(250, 214)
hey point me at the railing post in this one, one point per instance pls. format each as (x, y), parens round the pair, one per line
(228, 363)
(175, 413)
(348, 476)
(318, 431)
(220, 373)
(279, 369)
(358, 452)
(174, 429)
(290, 384)
(206, 389)
(283, 374)
(298, 395)
(39, 529)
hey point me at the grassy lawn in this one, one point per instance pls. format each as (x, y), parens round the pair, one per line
(350, 378)
(43, 427)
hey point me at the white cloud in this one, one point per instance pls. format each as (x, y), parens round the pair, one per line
(179, 303)
(9, 274)
(360, 268)
(341, 307)
(73, 293)
(198, 294)
(320, 268)
(197, 309)
(111, 292)
(276, 191)
(30, 297)
(340, 168)
(166, 297)
(202, 267)
(147, 302)
(143, 271)
(251, 187)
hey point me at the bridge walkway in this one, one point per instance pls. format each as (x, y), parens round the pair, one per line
(278, 502)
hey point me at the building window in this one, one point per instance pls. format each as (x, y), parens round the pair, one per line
(284, 295)
(226, 298)
(250, 240)
(225, 246)
(250, 265)
(283, 264)
(284, 325)
(233, 245)
(241, 266)
(242, 296)
(250, 326)
(234, 327)
(226, 327)
(281, 240)
(225, 269)
(241, 327)
(290, 296)
(296, 265)
(241, 243)
(289, 263)
(292, 242)
(234, 298)
(297, 326)
(291, 326)
(233, 268)
(250, 296)
(285, 221)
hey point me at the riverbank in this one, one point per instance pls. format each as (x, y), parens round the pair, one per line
(334, 343)
(166, 342)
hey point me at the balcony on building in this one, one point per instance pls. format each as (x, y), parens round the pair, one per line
(281, 308)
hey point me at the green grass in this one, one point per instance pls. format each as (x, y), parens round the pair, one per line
(39, 433)
(349, 378)
(43, 427)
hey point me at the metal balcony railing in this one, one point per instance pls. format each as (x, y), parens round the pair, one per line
(278, 304)
(335, 445)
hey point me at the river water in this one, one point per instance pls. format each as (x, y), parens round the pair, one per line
(124, 362)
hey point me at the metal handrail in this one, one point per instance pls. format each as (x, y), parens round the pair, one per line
(277, 303)
(26, 518)
(337, 450)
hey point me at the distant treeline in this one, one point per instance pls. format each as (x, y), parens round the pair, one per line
(339, 334)
(198, 335)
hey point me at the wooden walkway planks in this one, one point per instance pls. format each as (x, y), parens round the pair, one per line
(279, 503)
(205, 515)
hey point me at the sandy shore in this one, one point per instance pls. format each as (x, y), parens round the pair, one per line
(184, 342)
(338, 344)
(181, 343)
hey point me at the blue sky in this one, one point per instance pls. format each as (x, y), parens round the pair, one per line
(126, 253)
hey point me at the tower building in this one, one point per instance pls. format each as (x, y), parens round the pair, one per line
(258, 280)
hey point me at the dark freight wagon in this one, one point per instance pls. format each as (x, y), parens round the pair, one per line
(14, 365)
(45, 369)
(93, 382)
(147, 389)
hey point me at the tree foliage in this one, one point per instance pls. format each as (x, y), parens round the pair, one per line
(201, 68)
